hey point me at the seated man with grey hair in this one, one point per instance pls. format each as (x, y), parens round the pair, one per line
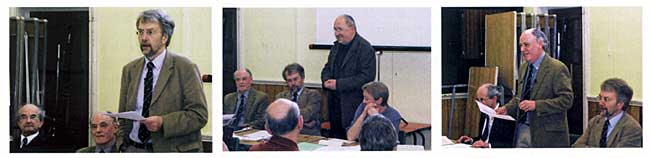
(103, 128)
(284, 122)
(375, 101)
(30, 118)
(377, 134)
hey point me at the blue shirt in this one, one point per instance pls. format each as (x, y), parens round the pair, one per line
(390, 113)
(612, 122)
(158, 64)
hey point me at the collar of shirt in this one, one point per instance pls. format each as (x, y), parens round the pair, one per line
(539, 61)
(157, 62)
(29, 138)
(245, 94)
(108, 147)
(613, 121)
(299, 91)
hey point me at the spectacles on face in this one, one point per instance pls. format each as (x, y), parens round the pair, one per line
(481, 99)
(604, 98)
(32, 116)
(148, 32)
(101, 125)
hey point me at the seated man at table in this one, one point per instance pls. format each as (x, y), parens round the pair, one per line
(377, 134)
(246, 105)
(613, 128)
(375, 101)
(283, 122)
(493, 132)
(104, 130)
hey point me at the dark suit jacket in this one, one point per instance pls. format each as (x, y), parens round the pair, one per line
(627, 133)
(178, 98)
(553, 96)
(358, 68)
(40, 144)
(309, 103)
(256, 104)
(501, 133)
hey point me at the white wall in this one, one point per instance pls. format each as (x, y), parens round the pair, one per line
(273, 38)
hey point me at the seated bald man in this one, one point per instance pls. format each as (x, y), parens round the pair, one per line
(284, 122)
(104, 131)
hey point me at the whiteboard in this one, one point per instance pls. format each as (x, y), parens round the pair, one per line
(380, 26)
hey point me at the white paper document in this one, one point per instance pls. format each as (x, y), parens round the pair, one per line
(257, 136)
(131, 115)
(333, 142)
(446, 141)
(490, 112)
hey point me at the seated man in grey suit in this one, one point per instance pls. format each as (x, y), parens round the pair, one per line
(308, 99)
(247, 104)
(613, 127)
(104, 131)
(377, 134)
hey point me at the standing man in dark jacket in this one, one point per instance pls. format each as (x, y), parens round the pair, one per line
(350, 64)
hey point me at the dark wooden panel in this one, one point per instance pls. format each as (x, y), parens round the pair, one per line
(458, 119)
(477, 77)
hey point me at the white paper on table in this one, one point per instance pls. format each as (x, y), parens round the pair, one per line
(446, 141)
(340, 148)
(410, 148)
(459, 145)
(227, 118)
(490, 112)
(257, 136)
(131, 115)
(333, 142)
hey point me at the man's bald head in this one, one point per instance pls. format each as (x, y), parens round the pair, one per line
(282, 116)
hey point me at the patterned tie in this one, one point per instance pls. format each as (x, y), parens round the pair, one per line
(294, 97)
(143, 133)
(603, 135)
(24, 143)
(240, 111)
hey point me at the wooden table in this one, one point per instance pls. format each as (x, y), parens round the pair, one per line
(413, 129)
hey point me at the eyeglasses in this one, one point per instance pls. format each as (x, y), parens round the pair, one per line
(481, 99)
(605, 99)
(32, 116)
(148, 32)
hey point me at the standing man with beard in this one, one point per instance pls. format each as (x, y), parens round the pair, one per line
(307, 99)
(350, 64)
(163, 87)
(613, 128)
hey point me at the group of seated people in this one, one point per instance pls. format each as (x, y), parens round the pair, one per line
(613, 127)
(297, 111)
(30, 117)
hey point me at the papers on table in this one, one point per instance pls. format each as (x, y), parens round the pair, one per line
(304, 146)
(410, 148)
(227, 118)
(334, 142)
(131, 115)
(257, 136)
(446, 141)
(490, 112)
